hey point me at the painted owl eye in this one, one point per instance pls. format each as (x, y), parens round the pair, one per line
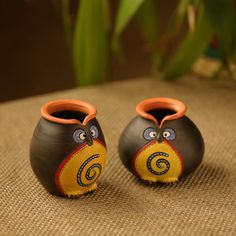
(169, 134)
(94, 131)
(150, 133)
(79, 136)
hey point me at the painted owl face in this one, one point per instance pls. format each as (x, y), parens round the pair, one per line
(80, 135)
(151, 134)
(154, 146)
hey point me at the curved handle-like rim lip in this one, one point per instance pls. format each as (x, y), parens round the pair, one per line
(68, 104)
(161, 103)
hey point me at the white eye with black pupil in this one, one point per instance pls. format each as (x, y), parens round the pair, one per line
(169, 134)
(79, 136)
(150, 134)
(94, 131)
(153, 134)
(82, 136)
(166, 134)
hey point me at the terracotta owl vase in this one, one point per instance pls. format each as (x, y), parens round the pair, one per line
(161, 144)
(68, 150)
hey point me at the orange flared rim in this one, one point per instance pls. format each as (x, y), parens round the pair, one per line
(65, 105)
(161, 103)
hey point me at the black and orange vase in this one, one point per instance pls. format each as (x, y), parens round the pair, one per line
(68, 150)
(161, 144)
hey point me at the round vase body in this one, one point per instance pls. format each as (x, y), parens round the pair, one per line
(68, 151)
(161, 144)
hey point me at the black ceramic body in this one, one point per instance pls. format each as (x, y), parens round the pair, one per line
(63, 164)
(161, 158)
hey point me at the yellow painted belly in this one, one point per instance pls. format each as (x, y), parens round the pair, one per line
(78, 173)
(158, 162)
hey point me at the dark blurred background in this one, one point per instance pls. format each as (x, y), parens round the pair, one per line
(35, 58)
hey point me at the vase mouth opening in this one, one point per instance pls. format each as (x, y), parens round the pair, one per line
(161, 109)
(68, 111)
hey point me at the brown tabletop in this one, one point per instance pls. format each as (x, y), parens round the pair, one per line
(202, 204)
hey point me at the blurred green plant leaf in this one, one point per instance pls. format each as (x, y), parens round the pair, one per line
(177, 24)
(222, 15)
(147, 19)
(191, 48)
(126, 10)
(90, 43)
(179, 15)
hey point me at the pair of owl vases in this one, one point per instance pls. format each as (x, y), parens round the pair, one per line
(68, 150)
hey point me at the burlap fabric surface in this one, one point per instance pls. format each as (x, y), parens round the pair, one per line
(202, 204)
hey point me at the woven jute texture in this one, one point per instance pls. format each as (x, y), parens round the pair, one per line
(202, 204)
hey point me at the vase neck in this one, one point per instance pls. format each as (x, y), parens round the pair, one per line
(68, 112)
(161, 109)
